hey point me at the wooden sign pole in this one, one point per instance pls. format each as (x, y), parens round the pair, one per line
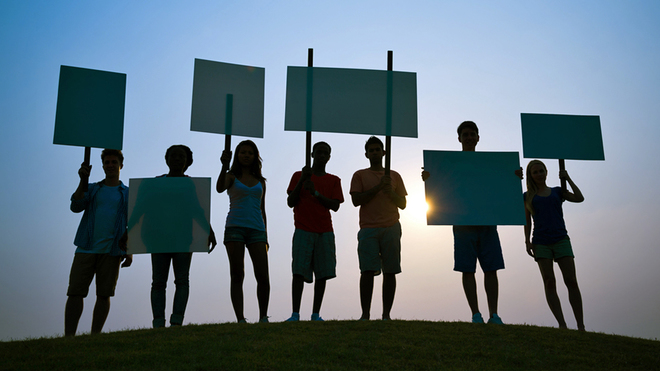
(388, 118)
(308, 134)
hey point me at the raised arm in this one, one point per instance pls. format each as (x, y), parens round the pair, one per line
(576, 195)
(77, 203)
(225, 179)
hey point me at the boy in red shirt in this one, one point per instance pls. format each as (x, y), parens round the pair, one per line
(312, 194)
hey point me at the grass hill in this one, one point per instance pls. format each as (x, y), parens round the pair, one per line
(336, 345)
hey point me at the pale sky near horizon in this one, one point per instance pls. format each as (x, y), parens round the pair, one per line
(475, 60)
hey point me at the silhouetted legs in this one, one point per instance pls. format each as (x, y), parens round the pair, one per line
(259, 256)
(297, 286)
(160, 264)
(491, 284)
(367, 289)
(567, 267)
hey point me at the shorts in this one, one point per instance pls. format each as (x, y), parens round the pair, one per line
(83, 269)
(472, 243)
(314, 252)
(247, 236)
(554, 251)
(380, 248)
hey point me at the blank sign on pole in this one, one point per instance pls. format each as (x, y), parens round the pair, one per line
(90, 108)
(569, 137)
(350, 101)
(212, 82)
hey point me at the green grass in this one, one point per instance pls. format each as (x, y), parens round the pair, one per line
(337, 345)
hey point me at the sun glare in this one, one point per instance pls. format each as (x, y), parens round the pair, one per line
(416, 209)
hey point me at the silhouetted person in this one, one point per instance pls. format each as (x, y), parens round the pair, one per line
(167, 215)
(379, 240)
(550, 238)
(246, 224)
(480, 242)
(105, 206)
(312, 194)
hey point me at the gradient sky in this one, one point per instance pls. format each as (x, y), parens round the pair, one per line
(475, 60)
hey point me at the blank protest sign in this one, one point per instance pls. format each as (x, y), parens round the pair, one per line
(351, 101)
(569, 137)
(212, 82)
(90, 108)
(473, 188)
(169, 215)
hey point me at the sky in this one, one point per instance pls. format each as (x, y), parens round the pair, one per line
(475, 60)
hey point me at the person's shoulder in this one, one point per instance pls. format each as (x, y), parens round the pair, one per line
(395, 174)
(331, 176)
(360, 172)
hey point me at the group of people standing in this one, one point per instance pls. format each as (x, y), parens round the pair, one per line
(312, 193)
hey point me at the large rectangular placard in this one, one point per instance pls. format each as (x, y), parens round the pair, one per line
(169, 215)
(90, 108)
(569, 137)
(355, 101)
(212, 82)
(473, 188)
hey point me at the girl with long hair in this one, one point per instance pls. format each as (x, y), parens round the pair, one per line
(246, 223)
(550, 239)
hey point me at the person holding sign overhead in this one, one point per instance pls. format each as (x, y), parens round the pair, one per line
(549, 238)
(312, 194)
(98, 253)
(379, 197)
(246, 223)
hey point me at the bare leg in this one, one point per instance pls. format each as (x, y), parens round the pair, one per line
(389, 289)
(550, 285)
(297, 286)
(72, 312)
(259, 255)
(319, 291)
(470, 289)
(236, 254)
(491, 285)
(366, 292)
(101, 310)
(567, 266)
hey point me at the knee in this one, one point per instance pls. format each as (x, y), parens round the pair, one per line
(182, 282)
(158, 285)
(549, 281)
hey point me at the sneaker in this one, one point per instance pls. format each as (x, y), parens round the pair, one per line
(264, 319)
(295, 317)
(316, 317)
(477, 318)
(243, 321)
(495, 319)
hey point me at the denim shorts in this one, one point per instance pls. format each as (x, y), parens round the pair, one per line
(246, 235)
(554, 251)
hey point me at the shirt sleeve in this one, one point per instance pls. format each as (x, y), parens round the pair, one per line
(356, 183)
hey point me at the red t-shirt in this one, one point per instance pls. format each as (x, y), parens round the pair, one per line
(309, 215)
